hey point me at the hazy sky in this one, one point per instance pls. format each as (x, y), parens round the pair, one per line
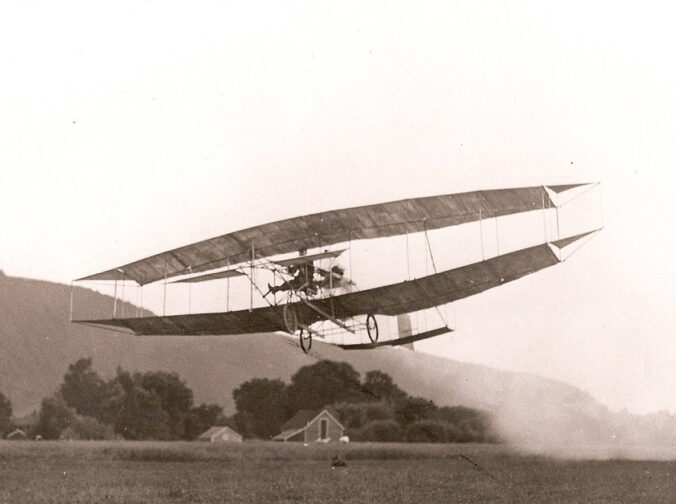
(127, 128)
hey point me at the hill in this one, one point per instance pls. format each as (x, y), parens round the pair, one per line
(37, 343)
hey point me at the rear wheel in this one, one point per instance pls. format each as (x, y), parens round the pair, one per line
(372, 328)
(305, 340)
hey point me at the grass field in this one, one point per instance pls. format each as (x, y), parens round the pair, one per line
(155, 472)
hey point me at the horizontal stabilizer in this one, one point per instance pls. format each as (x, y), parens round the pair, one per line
(398, 341)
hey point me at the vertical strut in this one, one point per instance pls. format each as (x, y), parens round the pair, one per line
(544, 213)
(408, 260)
(349, 248)
(164, 300)
(71, 301)
(189, 290)
(115, 300)
(427, 269)
(558, 231)
(227, 293)
(274, 286)
(481, 233)
(497, 236)
(122, 300)
(251, 280)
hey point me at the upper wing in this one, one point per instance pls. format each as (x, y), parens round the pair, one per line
(336, 226)
(394, 299)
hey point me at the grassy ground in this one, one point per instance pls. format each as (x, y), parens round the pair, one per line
(125, 472)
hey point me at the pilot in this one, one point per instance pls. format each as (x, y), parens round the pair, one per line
(303, 280)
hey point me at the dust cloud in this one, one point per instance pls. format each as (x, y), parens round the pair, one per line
(553, 419)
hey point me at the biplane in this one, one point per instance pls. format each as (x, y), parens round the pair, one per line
(311, 294)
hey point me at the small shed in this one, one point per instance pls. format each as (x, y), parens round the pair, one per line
(220, 434)
(309, 426)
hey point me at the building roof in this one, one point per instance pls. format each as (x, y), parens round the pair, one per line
(303, 417)
(286, 434)
(17, 433)
(299, 420)
(216, 429)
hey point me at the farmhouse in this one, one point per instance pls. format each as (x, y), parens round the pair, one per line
(312, 426)
(220, 434)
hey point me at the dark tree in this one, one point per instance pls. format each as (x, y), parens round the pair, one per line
(379, 411)
(83, 389)
(5, 415)
(245, 424)
(430, 431)
(136, 413)
(414, 409)
(175, 398)
(381, 431)
(380, 387)
(325, 382)
(262, 407)
(53, 418)
(351, 415)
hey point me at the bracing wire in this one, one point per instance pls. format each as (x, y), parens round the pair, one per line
(592, 186)
(434, 266)
(580, 245)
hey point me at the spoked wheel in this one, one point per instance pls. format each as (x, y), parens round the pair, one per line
(372, 328)
(290, 319)
(305, 340)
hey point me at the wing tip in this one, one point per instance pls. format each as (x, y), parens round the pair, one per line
(564, 242)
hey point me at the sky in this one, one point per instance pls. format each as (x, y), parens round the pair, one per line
(129, 128)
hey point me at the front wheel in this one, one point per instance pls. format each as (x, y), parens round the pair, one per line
(290, 319)
(305, 340)
(372, 328)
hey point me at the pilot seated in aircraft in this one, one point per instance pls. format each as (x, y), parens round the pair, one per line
(303, 280)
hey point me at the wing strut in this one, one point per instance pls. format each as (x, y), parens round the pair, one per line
(429, 248)
(327, 316)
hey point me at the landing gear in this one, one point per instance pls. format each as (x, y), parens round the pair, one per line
(372, 328)
(305, 340)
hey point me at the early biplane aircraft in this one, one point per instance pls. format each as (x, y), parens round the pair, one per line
(307, 300)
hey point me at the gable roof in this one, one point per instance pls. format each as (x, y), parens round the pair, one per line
(299, 420)
(286, 434)
(17, 433)
(216, 429)
(304, 417)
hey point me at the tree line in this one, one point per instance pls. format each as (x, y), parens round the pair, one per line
(372, 409)
(150, 405)
(159, 405)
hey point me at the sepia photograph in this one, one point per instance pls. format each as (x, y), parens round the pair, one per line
(308, 251)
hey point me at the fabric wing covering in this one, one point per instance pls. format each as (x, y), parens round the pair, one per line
(336, 226)
(403, 297)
